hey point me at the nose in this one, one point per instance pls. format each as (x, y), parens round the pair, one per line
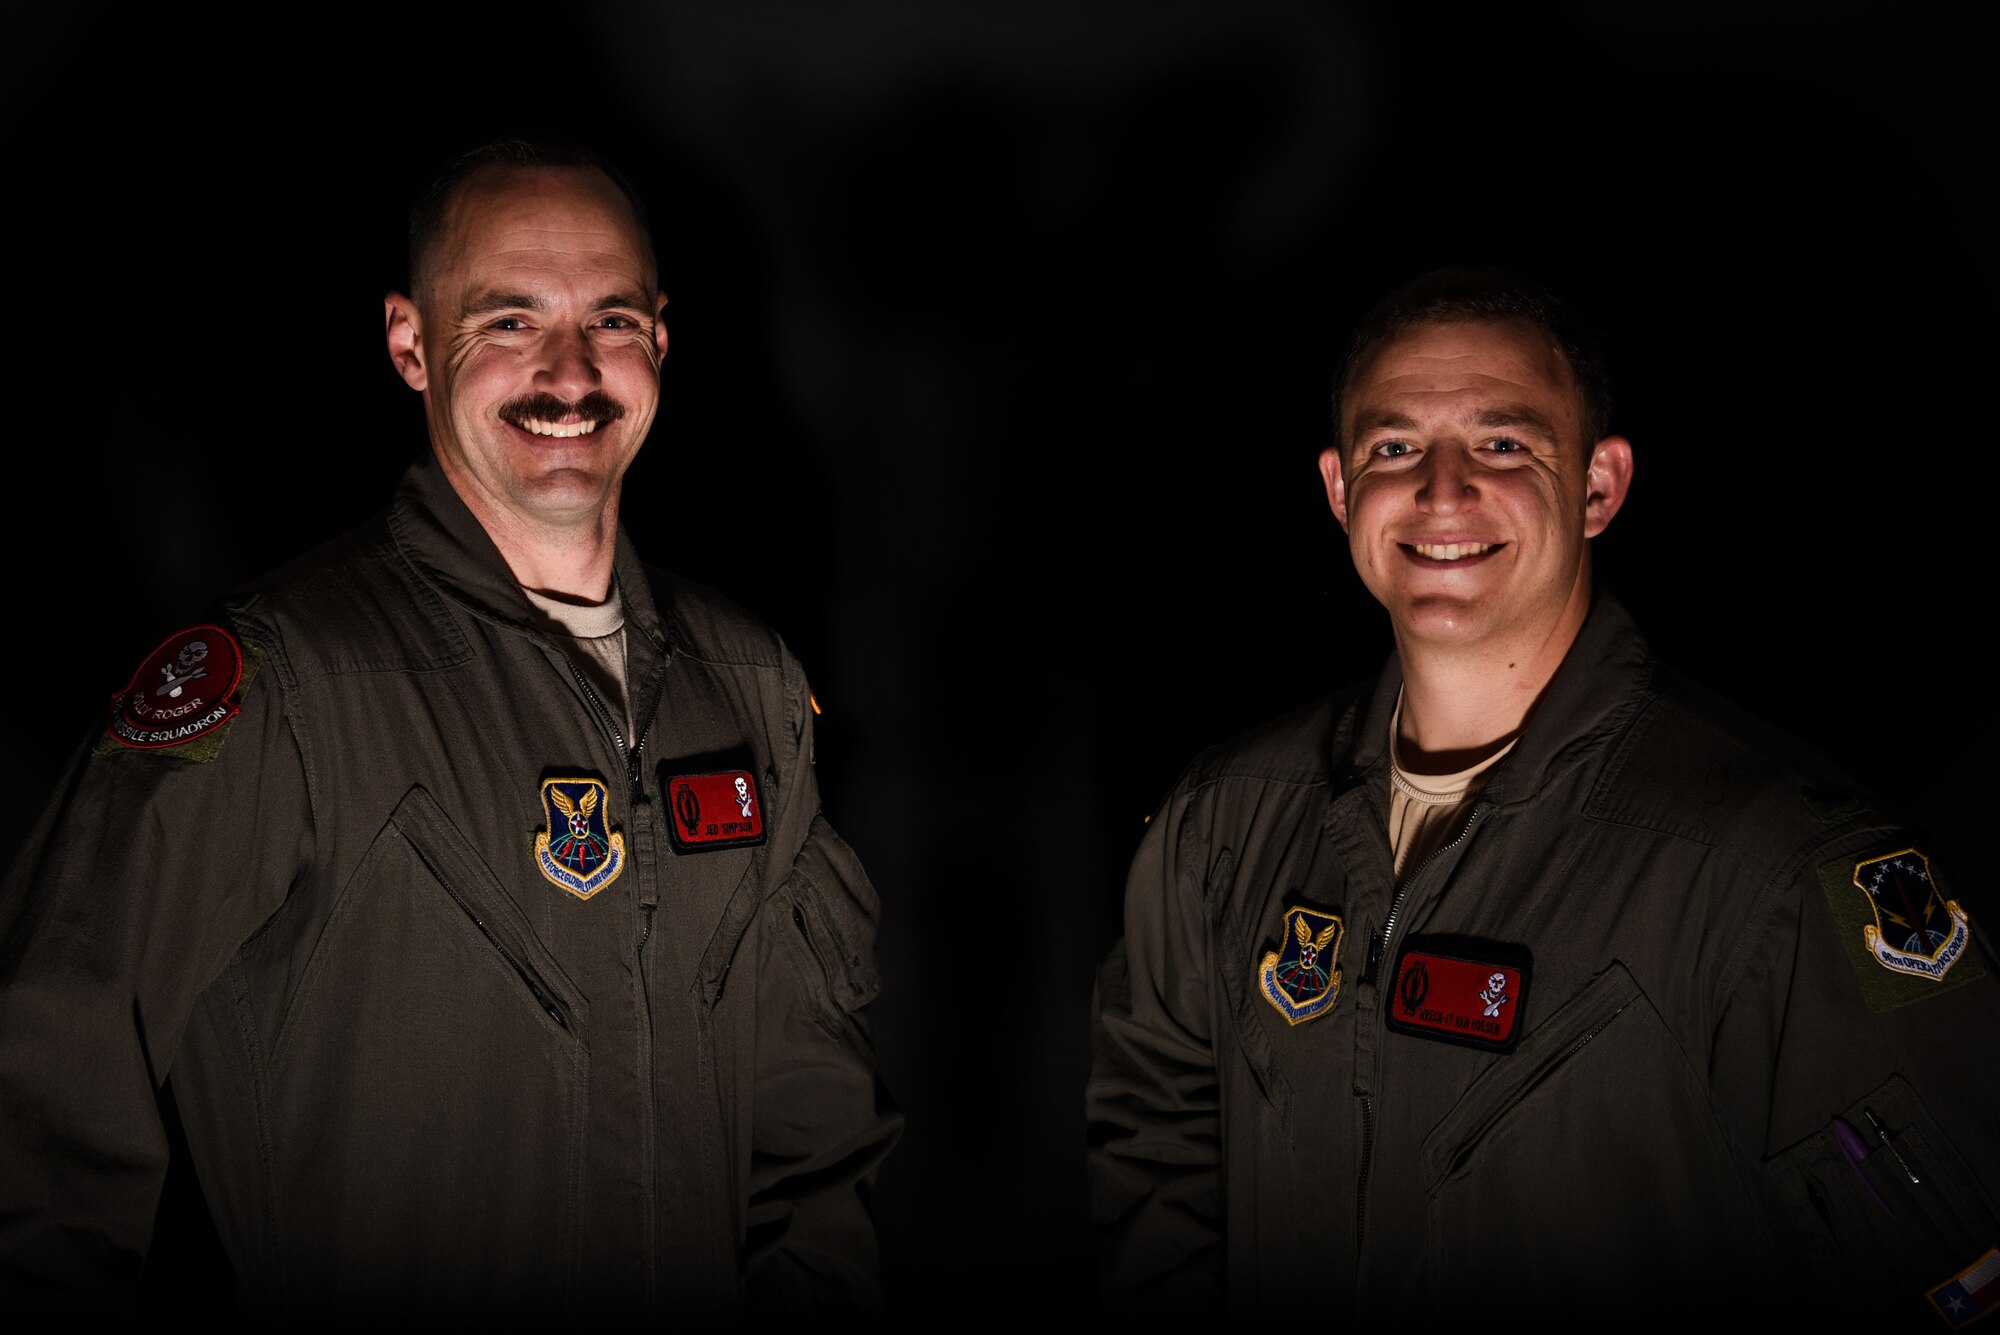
(569, 370)
(1448, 483)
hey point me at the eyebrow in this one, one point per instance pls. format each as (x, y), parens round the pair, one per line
(486, 303)
(1381, 419)
(1518, 416)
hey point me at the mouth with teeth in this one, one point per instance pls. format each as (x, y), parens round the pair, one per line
(1447, 554)
(559, 419)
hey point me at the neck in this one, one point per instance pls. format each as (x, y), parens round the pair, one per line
(572, 561)
(1461, 704)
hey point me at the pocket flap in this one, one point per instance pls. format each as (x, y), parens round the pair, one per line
(1510, 1079)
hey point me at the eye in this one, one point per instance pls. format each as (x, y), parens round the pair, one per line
(508, 324)
(1504, 445)
(1391, 449)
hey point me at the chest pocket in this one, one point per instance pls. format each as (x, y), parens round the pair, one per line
(1587, 1164)
(431, 1044)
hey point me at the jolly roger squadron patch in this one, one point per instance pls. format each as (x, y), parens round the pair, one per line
(183, 690)
(578, 851)
(1906, 938)
(1299, 978)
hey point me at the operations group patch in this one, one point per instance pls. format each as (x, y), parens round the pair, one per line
(183, 690)
(578, 852)
(1906, 938)
(1299, 978)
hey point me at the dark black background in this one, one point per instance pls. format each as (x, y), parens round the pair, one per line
(1002, 337)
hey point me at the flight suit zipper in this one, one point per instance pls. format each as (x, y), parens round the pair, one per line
(639, 810)
(1378, 948)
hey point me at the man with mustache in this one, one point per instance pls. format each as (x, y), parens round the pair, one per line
(1527, 979)
(467, 876)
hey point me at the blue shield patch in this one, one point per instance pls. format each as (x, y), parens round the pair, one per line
(1917, 931)
(1300, 979)
(578, 851)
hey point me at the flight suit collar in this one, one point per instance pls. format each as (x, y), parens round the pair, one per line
(1599, 685)
(436, 532)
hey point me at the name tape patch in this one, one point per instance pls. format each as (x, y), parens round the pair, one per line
(183, 689)
(720, 810)
(1458, 998)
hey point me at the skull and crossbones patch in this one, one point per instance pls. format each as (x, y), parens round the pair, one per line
(1457, 996)
(721, 810)
(183, 689)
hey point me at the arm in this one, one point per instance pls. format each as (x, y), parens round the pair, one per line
(1822, 1049)
(1153, 1101)
(146, 872)
(822, 1121)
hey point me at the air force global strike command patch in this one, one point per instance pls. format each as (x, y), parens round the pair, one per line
(578, 852)
(183, 690)
(1906, 938)
(1299, 978)
(714, 810)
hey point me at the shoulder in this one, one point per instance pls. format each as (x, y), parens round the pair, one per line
(1297, 750)
(351, 604)
(1694, 766)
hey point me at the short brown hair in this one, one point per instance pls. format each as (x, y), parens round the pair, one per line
(1483, 296)
(433, 206)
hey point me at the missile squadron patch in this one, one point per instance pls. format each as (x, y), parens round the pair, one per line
(184, 691)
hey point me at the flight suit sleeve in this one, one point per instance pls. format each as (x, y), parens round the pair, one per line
(1861, 1059)
(145, 873)
(823, 1121)
(1153, 1103)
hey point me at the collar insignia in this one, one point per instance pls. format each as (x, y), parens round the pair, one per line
(1916, 930)
(721, 810)
(181, 691)
(578, 852)
(1300, 979)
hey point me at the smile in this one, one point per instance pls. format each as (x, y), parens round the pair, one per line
(542, 427)
(1453, 551)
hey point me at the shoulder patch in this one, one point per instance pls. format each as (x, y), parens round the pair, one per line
(1906, 938)
(183, 695)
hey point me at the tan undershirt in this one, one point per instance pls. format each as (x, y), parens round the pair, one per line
(1424, 809)
(594, 639)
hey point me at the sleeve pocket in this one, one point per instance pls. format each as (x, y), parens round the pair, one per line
(833, 906)
(1901, 1219)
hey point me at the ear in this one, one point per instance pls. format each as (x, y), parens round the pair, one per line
(406, 340)
(1609, 479)
(1336, 484)
(660, 325)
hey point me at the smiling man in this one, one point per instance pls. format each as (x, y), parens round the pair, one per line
(1526, 979)
(467, 877)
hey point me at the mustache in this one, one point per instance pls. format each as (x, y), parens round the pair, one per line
(596, 406)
